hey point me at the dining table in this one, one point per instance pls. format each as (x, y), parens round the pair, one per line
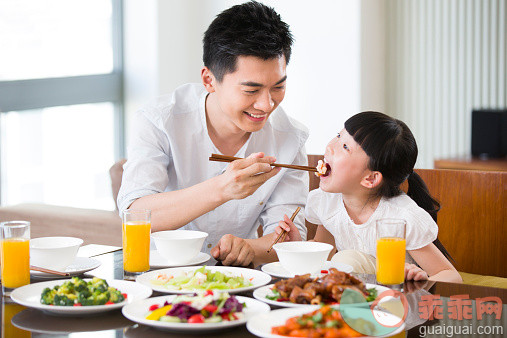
(434, 309)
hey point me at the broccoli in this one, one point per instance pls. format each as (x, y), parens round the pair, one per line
(63, 300)
(102, 298)
(47, 296)
(116, 296)
(99, 285)
(79, 284)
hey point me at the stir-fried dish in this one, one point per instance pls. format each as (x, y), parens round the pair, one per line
(77, 292)
(326, 289)
(325, 322)
(201, 279)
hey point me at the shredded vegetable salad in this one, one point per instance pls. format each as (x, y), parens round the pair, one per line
(202, 279)
(205, 307)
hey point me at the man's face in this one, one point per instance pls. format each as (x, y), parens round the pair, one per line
(246, 97)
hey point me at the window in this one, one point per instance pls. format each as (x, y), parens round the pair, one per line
(61, 113)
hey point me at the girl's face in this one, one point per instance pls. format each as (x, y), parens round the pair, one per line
(348, 163)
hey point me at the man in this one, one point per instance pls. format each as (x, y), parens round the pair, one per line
(235, 113)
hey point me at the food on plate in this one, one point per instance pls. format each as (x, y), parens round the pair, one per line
(325, 289)
(204, 307)
(324, 322)
(202, 279)
(77, 292)
(323, 169)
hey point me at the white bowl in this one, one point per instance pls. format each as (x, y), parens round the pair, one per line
(302, 257)
(179, 246)
(55, 253)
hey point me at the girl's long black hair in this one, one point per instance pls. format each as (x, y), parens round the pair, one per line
(392, 150)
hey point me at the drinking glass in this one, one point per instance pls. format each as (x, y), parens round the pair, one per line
(391, 251)
(136, 230)
(15, 255)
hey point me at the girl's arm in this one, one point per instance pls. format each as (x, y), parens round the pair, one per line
(433, 261)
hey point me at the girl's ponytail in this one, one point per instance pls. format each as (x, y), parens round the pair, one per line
(418, 191)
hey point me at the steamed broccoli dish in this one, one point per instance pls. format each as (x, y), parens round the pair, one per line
(77, 292)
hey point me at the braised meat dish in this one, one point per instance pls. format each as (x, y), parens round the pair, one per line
(327, 289)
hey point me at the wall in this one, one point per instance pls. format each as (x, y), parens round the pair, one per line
(444, 58)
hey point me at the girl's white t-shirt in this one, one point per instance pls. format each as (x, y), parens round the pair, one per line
(328, 209)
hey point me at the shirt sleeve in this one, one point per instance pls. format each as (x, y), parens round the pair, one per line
(290, 193)
(421, 228)
(312, 210)
(145, 172)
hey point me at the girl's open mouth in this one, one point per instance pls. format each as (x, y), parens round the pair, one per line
(323, 169)
(255, 117)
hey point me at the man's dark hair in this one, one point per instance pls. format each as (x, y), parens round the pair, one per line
(249, 29)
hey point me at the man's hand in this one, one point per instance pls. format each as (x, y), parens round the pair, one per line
(243, 177)
(288, 225)
(413, 272)
(232, 250)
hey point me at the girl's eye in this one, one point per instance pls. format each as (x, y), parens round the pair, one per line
(250, 91)
(338, 135)
(346, 147)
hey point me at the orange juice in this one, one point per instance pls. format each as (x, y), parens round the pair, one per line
(136, 246)
(390, 260)
(15, 262)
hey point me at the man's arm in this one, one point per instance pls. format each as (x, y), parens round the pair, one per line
(173, 209)
(145, 180)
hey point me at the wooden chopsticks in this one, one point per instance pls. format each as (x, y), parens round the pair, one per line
(223, 158)
(284, 233)
(54, 272)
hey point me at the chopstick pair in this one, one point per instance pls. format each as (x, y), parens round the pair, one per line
(283, 234)
(223, 158)
(54, 272)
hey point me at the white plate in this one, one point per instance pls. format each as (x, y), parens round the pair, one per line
(261, 293)
(159, 262)
(29, 295)
(138, 310)
(258, 278)
(261, 324)
(78, 267)
(276, 269)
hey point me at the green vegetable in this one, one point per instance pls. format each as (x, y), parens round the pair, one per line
(372, 294)
(274, 295)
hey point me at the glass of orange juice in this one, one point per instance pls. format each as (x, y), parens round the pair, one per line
(391, 251)
(15, 255)
(136, 229)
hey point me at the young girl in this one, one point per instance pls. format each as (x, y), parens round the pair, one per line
(366, 164)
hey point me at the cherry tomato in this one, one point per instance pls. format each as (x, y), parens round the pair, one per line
(109, 302)
(210, 308)
(208, 292)
(153, 307)
(78, 304)
(198, 318)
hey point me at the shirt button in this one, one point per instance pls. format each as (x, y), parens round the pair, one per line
(209, 245)
(261, 203)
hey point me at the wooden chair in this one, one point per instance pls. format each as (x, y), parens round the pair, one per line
(472, 218)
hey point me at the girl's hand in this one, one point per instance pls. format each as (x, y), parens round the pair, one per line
(413, 272)
(288, 225)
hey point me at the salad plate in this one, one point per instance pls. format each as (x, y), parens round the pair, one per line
(261, 324)
(137, 312)
(159, 262)
(265, 291)
(190, 279)
(30, 295)
(78, 267)
(276, 269)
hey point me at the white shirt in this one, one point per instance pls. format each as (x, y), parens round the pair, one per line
(169, 151)
(328, 209)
